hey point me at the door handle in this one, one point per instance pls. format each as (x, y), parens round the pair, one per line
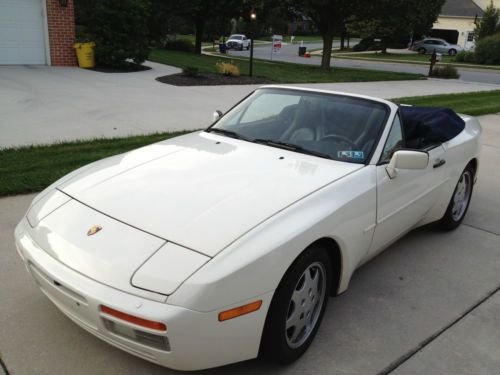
(439, 163)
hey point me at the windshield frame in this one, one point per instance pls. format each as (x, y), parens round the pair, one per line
(383, 126)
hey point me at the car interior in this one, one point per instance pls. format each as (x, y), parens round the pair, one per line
(322, 125)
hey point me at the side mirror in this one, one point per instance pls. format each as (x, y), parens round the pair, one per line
(406, 159)
(217, 115)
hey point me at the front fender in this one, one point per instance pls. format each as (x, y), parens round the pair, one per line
(255, 264)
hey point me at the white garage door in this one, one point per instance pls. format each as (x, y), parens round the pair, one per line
(22, 38)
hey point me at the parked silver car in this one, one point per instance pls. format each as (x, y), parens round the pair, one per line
(428, 45)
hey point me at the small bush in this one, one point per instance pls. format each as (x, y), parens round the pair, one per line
(465, 57)
(184, 45)
(488, 50)
(359, 47)
(446, 71)
(228, 68)
(190, 71)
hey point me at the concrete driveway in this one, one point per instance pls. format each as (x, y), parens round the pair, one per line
(430, 304)
(41, 104)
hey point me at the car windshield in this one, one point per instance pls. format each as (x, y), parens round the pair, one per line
(325, 125)
(238, 37)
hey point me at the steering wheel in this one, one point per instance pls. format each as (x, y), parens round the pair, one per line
(340, 138)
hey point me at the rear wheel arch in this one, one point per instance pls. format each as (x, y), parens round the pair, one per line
(473, 163)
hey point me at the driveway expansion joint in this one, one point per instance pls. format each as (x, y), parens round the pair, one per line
(411, 353)
(3, 367)
(481, 229)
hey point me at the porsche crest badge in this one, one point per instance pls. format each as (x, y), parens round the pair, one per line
(93, 230)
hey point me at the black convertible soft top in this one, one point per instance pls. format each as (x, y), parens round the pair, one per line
(431, 124)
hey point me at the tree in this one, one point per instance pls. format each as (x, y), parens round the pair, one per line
(489, 24)
(393, 20)
(118, 27)
(329, 17)
(164, 20)
(201, 13)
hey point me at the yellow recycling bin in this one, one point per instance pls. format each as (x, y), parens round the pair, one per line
(85, 54)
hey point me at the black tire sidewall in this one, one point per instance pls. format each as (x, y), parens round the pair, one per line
(422, 51)
(273, 344)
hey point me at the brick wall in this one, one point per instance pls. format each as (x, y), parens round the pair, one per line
(61, 23)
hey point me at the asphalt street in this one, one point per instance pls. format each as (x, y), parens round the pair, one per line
(289, 53)
(429, 304)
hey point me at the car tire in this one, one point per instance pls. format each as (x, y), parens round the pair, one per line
(297, 307)
(241, 47)
(248, 47)
(422, 50)
(459, 202)
(452, 52)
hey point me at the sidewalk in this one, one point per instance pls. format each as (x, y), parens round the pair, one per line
(41, 104)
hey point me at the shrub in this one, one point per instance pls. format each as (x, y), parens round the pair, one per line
(184, 45)
(190, 71)
(465, 56)
(228, 68)
(367, 44)
(119, 29)
(488, 50)
(446, 71)
(359, 47)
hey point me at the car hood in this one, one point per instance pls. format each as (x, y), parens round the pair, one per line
(201, 191)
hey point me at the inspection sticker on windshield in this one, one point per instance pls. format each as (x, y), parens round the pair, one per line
(356, 155)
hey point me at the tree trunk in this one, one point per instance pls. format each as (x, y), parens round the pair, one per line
(199, 26)
(327, 52)
(342, 41)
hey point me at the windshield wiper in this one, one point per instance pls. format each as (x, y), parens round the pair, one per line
(291, 147)
(227, 133)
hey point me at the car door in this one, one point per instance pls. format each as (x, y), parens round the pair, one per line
(404, 200)
(441, 47)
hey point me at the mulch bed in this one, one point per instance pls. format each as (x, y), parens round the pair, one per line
(129, 68)
(210, 79)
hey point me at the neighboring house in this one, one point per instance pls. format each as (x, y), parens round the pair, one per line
(299, 24)
(456, 22)
(37, 32)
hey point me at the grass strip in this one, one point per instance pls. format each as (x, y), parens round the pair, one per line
(32, 168)
(279, 71)
(473, 103)
(410, 59)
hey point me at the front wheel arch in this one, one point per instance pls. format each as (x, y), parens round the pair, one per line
(335, 255)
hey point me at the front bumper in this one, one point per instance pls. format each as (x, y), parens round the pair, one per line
(193, 340)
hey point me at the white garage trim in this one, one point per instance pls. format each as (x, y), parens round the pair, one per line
(46, 32)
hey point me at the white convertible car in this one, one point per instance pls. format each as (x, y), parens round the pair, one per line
(225, 244)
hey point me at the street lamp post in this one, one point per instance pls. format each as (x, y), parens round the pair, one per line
(253, 17)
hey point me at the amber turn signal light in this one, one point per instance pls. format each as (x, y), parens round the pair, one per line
(241, 310)
(134, 319)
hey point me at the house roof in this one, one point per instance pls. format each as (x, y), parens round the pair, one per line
(461, 8)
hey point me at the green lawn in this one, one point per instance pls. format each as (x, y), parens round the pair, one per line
(279, 71)
(399, 56)
(29, 169)
(406, 58)
(476, 103)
